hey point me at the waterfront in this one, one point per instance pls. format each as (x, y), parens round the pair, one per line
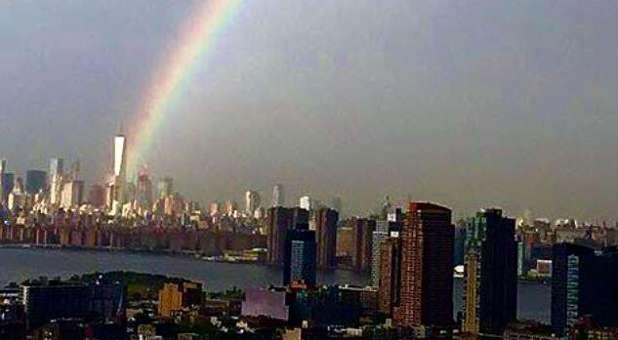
(18, 265)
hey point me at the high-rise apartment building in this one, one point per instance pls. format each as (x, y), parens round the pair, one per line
(299, 264)
(326, 233)
(279, 220)
(490, 279)
(389, 282)
(583, 284)
(362, 230)
(426, 297)
(384, 229)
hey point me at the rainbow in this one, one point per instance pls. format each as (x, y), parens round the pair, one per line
(198, 39)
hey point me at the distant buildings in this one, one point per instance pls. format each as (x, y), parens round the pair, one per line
(278, 196)
(143, 192)
(72, 194)
(252, 202)
(56, 171)
(426, 298)
(96, 196)
(583, 284)
(305, 203)
(36, 180)
(166, 187)
(490, 279)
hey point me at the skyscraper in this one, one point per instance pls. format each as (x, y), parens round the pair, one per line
(56, 171)
(583, 284)
(490, 279)
(8, 181)
(426, 297)
(362, 229)
(379, 235)
(326, 231)
(299, 262)
(252, 202)
(278, 196)
(279, 221)
(36, 180)
(72, 194)
(120, 167)
(305, 203)
(389, 282)
(56, 167)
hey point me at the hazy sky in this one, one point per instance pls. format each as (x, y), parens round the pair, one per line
(468, 103)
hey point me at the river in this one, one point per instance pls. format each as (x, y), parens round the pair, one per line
(17, 265)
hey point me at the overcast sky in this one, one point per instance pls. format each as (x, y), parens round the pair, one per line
(467, 103)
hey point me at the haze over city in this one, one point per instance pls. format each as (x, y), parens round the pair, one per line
(469, 104)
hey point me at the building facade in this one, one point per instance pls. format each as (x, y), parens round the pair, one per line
(43, 303)
(389, 283)
(426, 297)
(583, 284)
(326, 233)
(490, 276)
(299, 263)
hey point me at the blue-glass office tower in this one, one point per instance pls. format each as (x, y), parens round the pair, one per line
(299, 263)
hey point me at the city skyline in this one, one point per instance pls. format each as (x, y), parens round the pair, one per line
(468, 105)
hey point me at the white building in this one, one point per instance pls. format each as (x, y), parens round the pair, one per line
(305, 203)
